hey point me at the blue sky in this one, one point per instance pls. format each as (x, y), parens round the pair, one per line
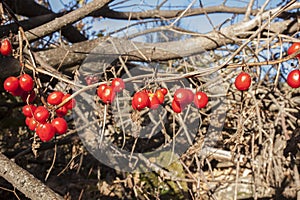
(198, 23)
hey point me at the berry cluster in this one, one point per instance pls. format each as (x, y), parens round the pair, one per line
(39, 118)
(107, 92)
(22, 86)
(152, 99)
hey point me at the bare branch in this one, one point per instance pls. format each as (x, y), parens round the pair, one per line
(24, 181)
(67, 19)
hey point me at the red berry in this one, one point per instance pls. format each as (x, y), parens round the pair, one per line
(27, 120)
(100, 90)
(140, 100)
(118, 84)
(32, 123)
(183, 96)
(293, 79)
(41, 114)
(45, 131)
(60, 125)
(62, 111)
(26, 82)
(28, 96)
(200, 99)
(164, 90)
(70, 104)
(18, 92)
(28, 110)
(11, 84)
(176, 107)
(6, 47)
(242, 81)
(108, 95)
(55, 98)
(160, 96)
(294, 48)
(154, 101)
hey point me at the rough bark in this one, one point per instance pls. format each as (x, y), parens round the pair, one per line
(25, 182)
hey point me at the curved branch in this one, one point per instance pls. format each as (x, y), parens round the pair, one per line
(168, 14)
(25, 182)
(65, 20)
(40, 16)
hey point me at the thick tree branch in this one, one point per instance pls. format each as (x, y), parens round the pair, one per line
(25, 182)
(161, 51)
(65, 20)
(40, 16)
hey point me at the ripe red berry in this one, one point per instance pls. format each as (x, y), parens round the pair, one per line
(293, 79)
(6, 47)
(160, 96)
(108, 95)
(164, 90)
(11, 84)
(60, 125)
(154, 101)
(294, 48)
(18, 92)
(55, 98)
(32, 123)
(242, 81)
(45, 131)
(41, 114)
(118, 84)
(27, 119)
(26, 82)
(70, 104)
(200, 99)
(183, 96)
(176, 107)
(28, 110)
(62, 111)
(100, 90)
(140, 100)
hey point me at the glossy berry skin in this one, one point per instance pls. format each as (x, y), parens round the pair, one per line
(62, 111)
(293, 79)
(32, 123)
(100, 90)
(26, 82)
(164, 90)
(160, 96)
(108, 95)
(294, 48)
(140, 100)
(200, 100)
(28, 110)
(60, 125)
(6, 47)
(183, 96)
(70, 104)
(45, 131)
(11, 84)
(176, 107)
(55, 98)
(242, 81)
(41, 114)
(154, 101)
(118, 84)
